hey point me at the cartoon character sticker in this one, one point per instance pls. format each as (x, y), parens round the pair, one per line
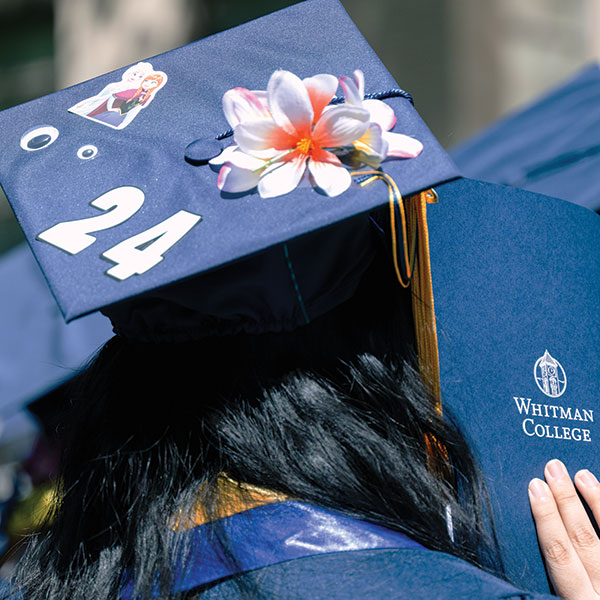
(120, 102)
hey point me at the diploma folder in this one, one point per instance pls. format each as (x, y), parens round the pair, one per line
(517, 299)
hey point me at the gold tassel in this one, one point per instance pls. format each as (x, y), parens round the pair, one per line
(414, 254)
(422, 295)
(424, 319)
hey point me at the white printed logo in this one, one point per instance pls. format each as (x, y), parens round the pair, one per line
(550, 376)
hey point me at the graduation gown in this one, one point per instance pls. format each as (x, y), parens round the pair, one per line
(297, 550)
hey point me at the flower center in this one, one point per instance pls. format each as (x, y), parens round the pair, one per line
(305, 145)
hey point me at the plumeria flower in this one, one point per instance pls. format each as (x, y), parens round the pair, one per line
(284, 133)
(240, 170)
(240, 104)
(378, 142)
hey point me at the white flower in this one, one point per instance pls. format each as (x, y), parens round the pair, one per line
(378, 142)
(281, 134)
(290, 132)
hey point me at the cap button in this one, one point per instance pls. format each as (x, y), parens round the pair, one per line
(200, 151)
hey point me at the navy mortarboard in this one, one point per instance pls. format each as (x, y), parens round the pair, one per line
(227, 186)
(551, 147)
(39, 351)
(39, 354)
(111, 185)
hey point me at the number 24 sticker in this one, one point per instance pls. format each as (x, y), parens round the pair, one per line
(133, 256)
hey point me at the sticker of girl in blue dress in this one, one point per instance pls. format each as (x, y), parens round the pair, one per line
(120, 102)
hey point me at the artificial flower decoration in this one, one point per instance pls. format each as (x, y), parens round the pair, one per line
(291, 132)
(378, 142)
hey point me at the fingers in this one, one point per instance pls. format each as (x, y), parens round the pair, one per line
(576, 521)
(589, 488)
(565, 569)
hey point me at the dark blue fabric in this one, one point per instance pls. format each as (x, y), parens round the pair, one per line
(53, 185)
(37, 350)
(275, 290)
(296, 550)
(6, 592)
(516, 274)
(551, 147)
(269, 535)
(370, 575)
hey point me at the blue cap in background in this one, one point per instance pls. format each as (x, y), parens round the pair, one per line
(38, 351)
(550, 147)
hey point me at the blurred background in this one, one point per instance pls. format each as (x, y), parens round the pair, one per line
(466, 62)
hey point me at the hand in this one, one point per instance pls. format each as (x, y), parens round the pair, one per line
(569, 544)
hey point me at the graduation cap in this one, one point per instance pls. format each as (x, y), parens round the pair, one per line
(551, 146)
(125, 215)
(39, 352)
(109, 178)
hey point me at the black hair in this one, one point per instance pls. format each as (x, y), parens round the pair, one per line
(332, 413)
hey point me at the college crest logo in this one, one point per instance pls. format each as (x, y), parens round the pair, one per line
(549, 375)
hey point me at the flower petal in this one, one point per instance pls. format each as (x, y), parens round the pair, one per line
(240, 104)
(283, 176)
(341, 126)
(262, 138)
(402, 146)
(321, 89)
(290, 104)
(352, 94)
(232, 179)
(225, 155)
(359, 77)
(262, 97)
(373, 144)
(329, 173)
(380, 113)
(233, 155)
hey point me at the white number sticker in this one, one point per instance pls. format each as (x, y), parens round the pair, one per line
(74, 236)
(145, 250)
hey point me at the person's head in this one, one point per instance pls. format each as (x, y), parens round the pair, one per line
(264, 339)
(331, 412)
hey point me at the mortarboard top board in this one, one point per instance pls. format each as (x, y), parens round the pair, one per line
(551, 147)
(100, 155)
(38, 351)
(517, 302)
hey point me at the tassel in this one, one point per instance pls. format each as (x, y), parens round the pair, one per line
(413, 258)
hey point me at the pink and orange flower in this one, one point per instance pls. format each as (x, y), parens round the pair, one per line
(290, 132)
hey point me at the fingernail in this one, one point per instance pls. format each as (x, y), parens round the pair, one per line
(587, 478)
(538, 489)
(555, 469)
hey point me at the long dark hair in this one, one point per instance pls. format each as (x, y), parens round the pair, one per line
(333, 413)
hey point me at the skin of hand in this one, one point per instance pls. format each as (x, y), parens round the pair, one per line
(569, 544)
